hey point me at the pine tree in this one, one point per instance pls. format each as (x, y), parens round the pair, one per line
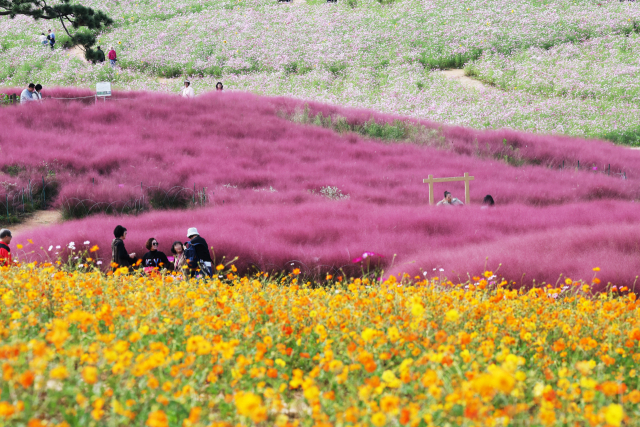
(74, 15)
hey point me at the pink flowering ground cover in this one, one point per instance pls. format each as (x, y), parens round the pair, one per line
(276, 192)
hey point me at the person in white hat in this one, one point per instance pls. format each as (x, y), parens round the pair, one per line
(188, 92)
(202, 260)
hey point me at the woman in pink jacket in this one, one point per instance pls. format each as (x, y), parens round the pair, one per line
(112, 57)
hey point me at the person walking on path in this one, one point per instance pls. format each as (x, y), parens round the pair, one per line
(188, 92)
(113, 57)
(201, 260)
(119, 256)
(5, 250)
(52, 38)
(27, 94)
(100, 55)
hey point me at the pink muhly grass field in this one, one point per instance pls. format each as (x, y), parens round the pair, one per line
(261, 174)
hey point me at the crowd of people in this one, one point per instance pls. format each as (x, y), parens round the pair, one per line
(191, 258)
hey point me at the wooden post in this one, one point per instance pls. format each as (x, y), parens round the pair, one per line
(431, 201)
(466, 178)
(467, 196)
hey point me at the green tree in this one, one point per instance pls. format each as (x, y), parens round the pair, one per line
(74, 15)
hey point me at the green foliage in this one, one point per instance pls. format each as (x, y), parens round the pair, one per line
(296, 67)
(396, 131)
(336, 69)
(436, 59)
(629, 136)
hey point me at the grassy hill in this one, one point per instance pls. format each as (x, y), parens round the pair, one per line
(284, 184)
(380, 55)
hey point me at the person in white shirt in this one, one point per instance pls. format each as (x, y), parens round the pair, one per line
(188, 92)
(449, 200)
(43, 39)
(27, 94)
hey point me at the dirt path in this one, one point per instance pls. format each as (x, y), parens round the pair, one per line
(38, 219)
(458, 75)
(77, 52)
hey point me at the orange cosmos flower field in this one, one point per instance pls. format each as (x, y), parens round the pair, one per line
(89, 349)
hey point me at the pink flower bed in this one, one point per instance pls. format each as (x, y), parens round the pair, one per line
(262, 175)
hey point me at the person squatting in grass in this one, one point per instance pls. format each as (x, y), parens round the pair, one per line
(197, 254)
(119, 256)
(488, 202)
(5, 250)
(449, 200)
(113, 57)
(155, 259)
(52, 39)
(43, 39)
(188, 92)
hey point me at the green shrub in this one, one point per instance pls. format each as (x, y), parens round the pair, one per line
(629, 136)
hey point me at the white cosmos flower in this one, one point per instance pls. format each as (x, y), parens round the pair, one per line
(99, 262)
(87, 242)
(50, 247)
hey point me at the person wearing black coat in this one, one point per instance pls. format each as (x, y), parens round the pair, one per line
(154, 258)
(119, 255)
(100, 55)
(205, 263)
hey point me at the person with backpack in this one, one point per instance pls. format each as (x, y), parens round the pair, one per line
(197, 254)
(119, 256)
(5, 250)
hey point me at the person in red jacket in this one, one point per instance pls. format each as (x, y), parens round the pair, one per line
(112, 57)
(5, 251)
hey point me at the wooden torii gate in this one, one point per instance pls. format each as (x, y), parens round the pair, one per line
(466, 178)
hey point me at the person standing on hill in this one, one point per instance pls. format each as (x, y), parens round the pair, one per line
(200, 259)
(100, 55)
(52, 39)
(5, 250)
(188, 92)
(119, 256)
(113, 57)
(27, 94)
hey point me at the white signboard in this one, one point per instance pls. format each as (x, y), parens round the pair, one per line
(103, 89)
